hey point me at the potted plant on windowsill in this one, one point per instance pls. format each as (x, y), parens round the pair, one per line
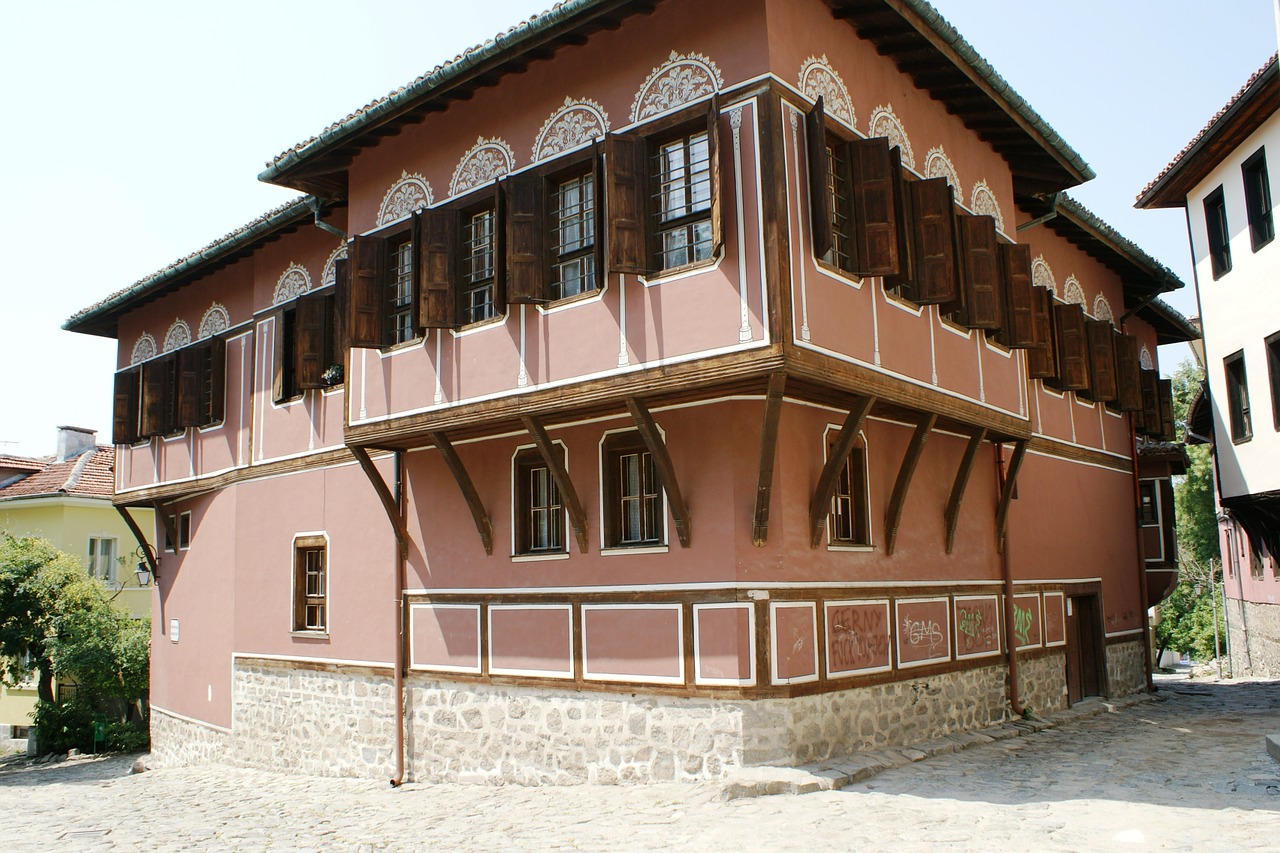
(332, 376)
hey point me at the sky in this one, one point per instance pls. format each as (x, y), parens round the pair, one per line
(135, 132)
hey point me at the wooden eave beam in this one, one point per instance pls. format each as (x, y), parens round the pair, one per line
(388, 500)
(148, 552)
(170, 525)
(577, 518)
(666, 471)
(952, 515)
(468, 489)
(820, 505)
(768, 450)
(1006, 494)
(906, 472)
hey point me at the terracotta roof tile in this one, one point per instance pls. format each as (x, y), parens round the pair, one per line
(89, 475)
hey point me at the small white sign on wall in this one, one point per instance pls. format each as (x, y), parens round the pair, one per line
(173, 630)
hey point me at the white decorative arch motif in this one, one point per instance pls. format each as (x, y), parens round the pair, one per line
(983, 202)
(214, 321)
(1042, 275)
(817, 77)
(408, 194)
(884, 122)
(1102, 309)
(938, 165)
(178, 336)
(294, 282)
(143, 348)
(488, 160)
(329, 275)
(575, 123)
(1072, 292)
(679, 80)
(1144, 359)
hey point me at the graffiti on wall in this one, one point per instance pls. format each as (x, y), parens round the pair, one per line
(923, 631)
(977, 626)
(857, 636)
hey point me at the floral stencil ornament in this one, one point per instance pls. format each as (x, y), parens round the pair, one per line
(1042, 275)
(178, 336)
(983, 202)
(574, 124)
(1144, 359)
(938, 165)
(819, 79)
(681, 79)
(409, 194)
(488, 160)
(1072, 292)
(215, 321)
(885, 123)
(294, 282)
(143, 348)
(329, 275)
(1102, 309)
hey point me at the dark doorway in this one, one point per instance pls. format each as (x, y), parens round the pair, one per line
(1084, 648)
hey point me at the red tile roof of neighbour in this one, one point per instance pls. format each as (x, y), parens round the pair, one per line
(22, 463)
(89, 475)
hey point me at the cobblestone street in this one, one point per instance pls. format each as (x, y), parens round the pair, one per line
(1187, 772)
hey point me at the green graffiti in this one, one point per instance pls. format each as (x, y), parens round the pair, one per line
(1022, 625)
(970, 622)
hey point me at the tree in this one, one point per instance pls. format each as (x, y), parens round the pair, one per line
(33, 578)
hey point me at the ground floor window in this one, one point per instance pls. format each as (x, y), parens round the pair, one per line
(310, 583)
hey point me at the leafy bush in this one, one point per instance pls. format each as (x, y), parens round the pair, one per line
(126, 737)
(64, 726)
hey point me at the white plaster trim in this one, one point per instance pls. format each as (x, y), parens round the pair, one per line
(293, 282)
(1062, 612)
(680, 80)
(571, 126)
(999, 649)
(539, 673)
(698, 677)
(731, 587)
(983, 202)
(192, 720)
(144, 348)
(413, 655)
(628, 677)
(178, 336)
(1127, 633)
(819, 79)
(830, 632)
(215, 321)
(938, 165)
(329, 273)
(486, 161)
(774, 607)
(369, 664)
(408, 194)
(884, 122)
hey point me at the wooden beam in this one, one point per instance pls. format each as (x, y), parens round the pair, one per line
(148, 552)
(170, 525)
(1006, 494)
(468, 489)
(389, 504)
(905, 473)
(768, 448)
(577, 518)
(962, 482)
(821, 503)
(662, 461)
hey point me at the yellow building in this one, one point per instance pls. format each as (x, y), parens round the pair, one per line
(66, 498)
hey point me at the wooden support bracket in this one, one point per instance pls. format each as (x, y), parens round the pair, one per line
(768, 449)
(169, 522)
(1006, 494)
(662, 461)
(468, 489)
(147, 550)
(577, 518)
(821, 503)
(906, 472)
(384, 494)
(952, 516)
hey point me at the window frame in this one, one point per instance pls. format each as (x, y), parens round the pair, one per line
(110, 576)
(524, 461)
(573, 169)
(290, 365)
(1218, 231)
(301, 599)
(614, 446)
(1151, 519)
(1239, 412)
(859, 499)
(469, 210)
(658, 226)
(394, 244)
(1257, 199)
(1272, 344)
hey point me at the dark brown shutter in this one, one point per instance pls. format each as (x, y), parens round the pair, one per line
(1128, 374)
(438, 267)
(713, 170)
(341, 307)
(1073, 356)
(153, 397)
(626, 170)
(1102, 360)
(820, 213)
(217, 387)
(124, 418)
(983, 289)
(597, 190)
(1042, 362)
(1149, 422)
(1168, 432)
(1019, 299)
(875, 214)
(280, 345)
(366, 256)
(526, 239)
(934, 242)
(308, 341)
(499, 247)
(905, 280)
(190, 368)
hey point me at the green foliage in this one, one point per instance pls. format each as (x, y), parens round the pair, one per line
(64, 726)
(33, 577)
(126, 737)
(1186, 620)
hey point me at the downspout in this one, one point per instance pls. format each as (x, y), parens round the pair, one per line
(1006, 568)
(317, 209)
(1039, 220)
(402, 553)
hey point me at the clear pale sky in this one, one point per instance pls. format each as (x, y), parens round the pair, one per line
(134, 132)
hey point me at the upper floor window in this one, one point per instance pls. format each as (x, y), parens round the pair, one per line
(634, 504)
(573, 236)
(1149, 509)
(310, 583)
(168, 394)
(1273, 371)
(1215, 220)
(540, 515)
(1238, 397)
(682, 174)
(102, 558)
(478, 270)
(400, 290)
(1257, 200)
(849, 522)
(307, 350)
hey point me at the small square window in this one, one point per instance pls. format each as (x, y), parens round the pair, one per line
(1149, 511)
(310, 583)
(1215, 220)
(1257, 200)
(1238, 397)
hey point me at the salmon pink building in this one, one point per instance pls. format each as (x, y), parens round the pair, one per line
(657, 389)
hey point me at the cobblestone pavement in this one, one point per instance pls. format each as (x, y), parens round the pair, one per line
(1188, 772)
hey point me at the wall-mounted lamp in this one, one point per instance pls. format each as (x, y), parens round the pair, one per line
(146, 558)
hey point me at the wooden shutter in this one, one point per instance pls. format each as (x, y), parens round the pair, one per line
(153, 394)
(437, 267)
(499, 247)
(217, 385)
(1073, 355)
(280, 346)
(983, 288)
(1128, 374)
(526, 239)
(1149, 421)
(905, 280)
(1168, 432)
(124, 418)
(626, 191)
(1019, 300)
(601, 224)
(934, 242)
(820, 212)
(341, 307)
(1102, 360)
(874, 210)
(308, 341)
(190, 366)
(713, 169)
(366, 256)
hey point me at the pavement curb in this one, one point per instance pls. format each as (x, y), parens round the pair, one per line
(839, 771)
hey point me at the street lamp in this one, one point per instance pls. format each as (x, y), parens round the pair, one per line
(146, 558)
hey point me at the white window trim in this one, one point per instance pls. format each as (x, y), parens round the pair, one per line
(304, 633)
(536, 556)
(866, 485)
(605, 548)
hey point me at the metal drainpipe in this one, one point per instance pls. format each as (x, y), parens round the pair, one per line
(1006, 568)
(398, 677)
(317, 209)
(1142, 545)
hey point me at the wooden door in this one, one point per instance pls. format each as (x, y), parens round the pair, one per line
(1084, 648)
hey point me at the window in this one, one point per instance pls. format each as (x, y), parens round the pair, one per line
(1257, 200)
(1149, 510)
(682, 173)
(1238, 397)
(635, 509)
(478, 243)
(19, 732)
(306, 347)
(102, 559)
(399, 290)
(1215, 220)
(159, 399)
(310, 583)
(540, 513)
(849, 522)
(573, 237)
(168, 394)
(184, 533)
(1273, 371)
(841, 205)
(1255, 561)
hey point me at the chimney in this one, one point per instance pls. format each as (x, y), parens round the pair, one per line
(72, 441)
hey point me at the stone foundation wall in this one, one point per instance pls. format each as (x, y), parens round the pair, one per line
(1042, 681)
(1126, 668)
(176, 742)
(1260, 656)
